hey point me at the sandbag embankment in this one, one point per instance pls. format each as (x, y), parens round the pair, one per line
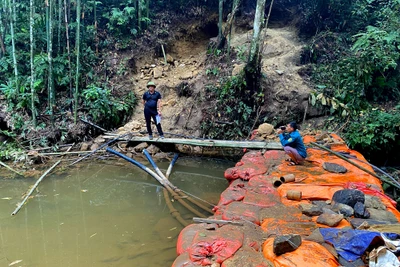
(334, 195)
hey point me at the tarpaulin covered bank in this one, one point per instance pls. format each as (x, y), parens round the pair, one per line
(333, 232)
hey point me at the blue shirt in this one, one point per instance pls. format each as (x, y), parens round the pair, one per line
(294, 140)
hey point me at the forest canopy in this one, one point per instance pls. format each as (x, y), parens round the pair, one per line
(50, 55)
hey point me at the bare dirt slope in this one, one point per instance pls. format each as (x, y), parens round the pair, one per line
(182, 81)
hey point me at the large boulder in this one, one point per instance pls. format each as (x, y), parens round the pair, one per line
(265, 129)
(349, 197)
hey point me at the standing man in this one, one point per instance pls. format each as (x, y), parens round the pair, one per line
(152, 108)
(292, 143)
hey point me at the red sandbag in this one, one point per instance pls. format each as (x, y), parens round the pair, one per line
(252, 163)
(235, 192)
(183, 260)
(215, 246)
(186, 236)
(240, 211)
(262, 200)
(274, 157)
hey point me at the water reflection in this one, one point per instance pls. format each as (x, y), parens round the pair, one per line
(100, 215)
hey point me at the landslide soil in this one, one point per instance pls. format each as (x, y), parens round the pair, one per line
(189, 71)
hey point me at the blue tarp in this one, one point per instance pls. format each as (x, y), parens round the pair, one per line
(350, 244)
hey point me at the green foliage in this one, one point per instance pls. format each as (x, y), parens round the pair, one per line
(106, 109)
(232, 116)
(213, 71)
(10, 151)
(375, 131)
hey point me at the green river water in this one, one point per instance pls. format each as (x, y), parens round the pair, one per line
(100, 214)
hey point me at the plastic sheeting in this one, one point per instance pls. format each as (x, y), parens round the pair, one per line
(309, 254)
(350, 244)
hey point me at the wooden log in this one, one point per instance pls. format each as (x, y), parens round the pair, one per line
(205, 142)
(34, 187)
(202, 220)
(11, 169)
(94, 125)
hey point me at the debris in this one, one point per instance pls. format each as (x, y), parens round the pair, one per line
(14, 262)
(360, 211)
(310, 209)
(344, 209)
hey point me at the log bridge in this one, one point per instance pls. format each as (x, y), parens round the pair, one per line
(204, 142)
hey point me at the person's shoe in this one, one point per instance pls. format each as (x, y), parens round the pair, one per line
(150, 137)
(162, 136)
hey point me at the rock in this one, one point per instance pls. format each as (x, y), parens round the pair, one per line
(237, 69)
(315, 236)
(333, 167)
(170, 59)
(132, 126)
(320, 203)
(84, 146)
(357, 222)
(360, 211)
(349, 197)
(358, 262)
(344, 209)
(265, 129)
(280, 72)
(94, 146)
(186, 75)
(331, 220)
(152, 149)
(328, 210)
(157, 72)
(176, 63)
(153, 65)
(286, 243)
(171, 102)
(374, 202)
(382, 215)
(99, 140)
(140, 147)
(310, 209)
(129, 155)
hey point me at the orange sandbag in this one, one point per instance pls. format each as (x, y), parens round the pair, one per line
(252, 163)
(183, 260)
(309, 254)
(186, 236)
(273, 226)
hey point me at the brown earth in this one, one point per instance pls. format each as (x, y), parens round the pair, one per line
(182, 81)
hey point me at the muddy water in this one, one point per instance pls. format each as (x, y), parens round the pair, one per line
(100, 214)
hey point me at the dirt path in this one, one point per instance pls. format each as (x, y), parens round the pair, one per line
(285, 90)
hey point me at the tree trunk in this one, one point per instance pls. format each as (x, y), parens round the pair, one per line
(253, 68)
(59, 26)
(77, 48)
(71, 93)
(2, 31)
(139, 15)
(221, 38)
(13, 43)
(95, 27)
(50, 84)
(229, 23)
(31, 23)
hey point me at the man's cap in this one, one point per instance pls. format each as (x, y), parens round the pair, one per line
(151, 84)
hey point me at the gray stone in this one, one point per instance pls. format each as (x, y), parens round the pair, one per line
(84, 146)
(331, 220)
(333, 167)
(382, 215)
(349, 197)
(360, 211)
(286, 243)
(152, 149)
(357, 263)
(157, 72)
(344, 209)
(140, 147)
(357, 222)
(320, 203)
(310, 209)
(280, 72)
(374, 202)
(327, 209)
(94, 147)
